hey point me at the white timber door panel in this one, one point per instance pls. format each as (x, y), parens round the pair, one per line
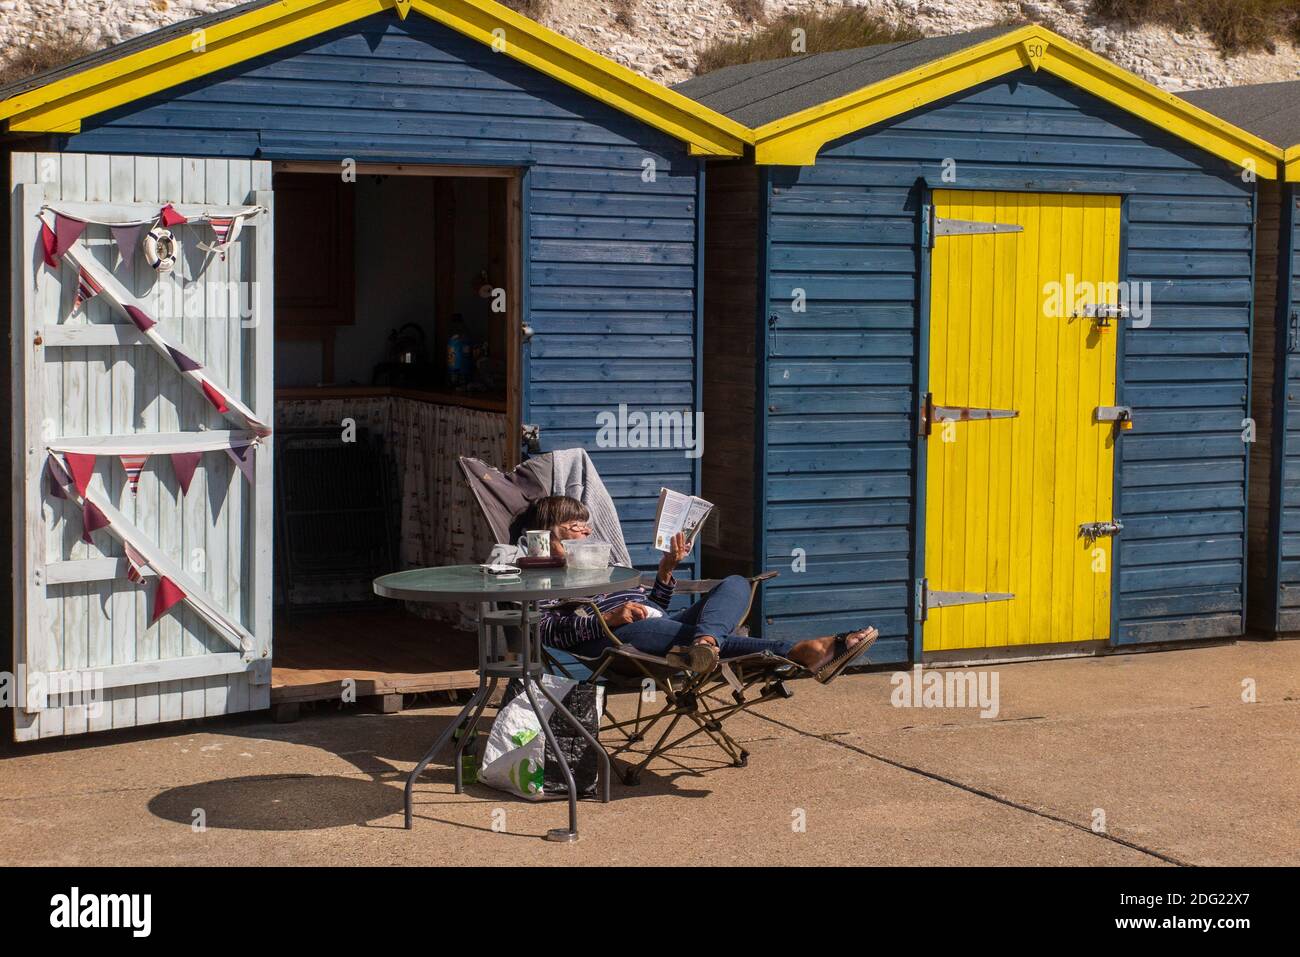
(87, 656)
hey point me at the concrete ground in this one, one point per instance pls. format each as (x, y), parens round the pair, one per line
(1159, 748)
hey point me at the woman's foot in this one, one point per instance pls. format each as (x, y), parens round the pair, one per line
(819, 655)
(701, 656)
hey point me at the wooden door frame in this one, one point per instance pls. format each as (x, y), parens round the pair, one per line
(516, 267)
(925, 246)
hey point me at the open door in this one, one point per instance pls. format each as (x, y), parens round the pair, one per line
(142, 402)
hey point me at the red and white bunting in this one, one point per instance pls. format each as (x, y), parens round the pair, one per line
(92, 520)
(87, 289)
(169, 216)
(133, 465)
(184, 464)
(145, 557)
(136, 566)
(220, 398)
(166, 593)
(128, 229)
(82, 466)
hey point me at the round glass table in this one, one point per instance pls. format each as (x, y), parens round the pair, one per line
(471, 583)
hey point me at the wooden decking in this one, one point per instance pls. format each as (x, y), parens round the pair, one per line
(385, 651)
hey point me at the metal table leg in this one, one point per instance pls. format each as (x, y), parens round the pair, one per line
(468, 733)
(481, 693)
(526, 629)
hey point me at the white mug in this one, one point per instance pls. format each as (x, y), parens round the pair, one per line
(536, 543)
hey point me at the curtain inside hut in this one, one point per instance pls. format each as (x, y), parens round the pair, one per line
(440, 522)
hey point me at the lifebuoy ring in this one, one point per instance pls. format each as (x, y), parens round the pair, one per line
(161, 248)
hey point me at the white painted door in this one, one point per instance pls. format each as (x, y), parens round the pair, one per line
(87, 657)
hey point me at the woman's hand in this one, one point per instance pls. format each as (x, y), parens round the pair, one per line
(625, 614)
(673, 557)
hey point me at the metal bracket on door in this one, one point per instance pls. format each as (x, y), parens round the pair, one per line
(931, 413)
(927, 598)
(1091, 531)
(942, 226)
(1101, 313)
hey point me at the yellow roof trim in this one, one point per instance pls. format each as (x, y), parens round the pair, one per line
(1291, 161)
(61, 105)
(796, 139)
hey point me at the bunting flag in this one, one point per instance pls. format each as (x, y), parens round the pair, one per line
(133, 464)
(128, 239)
(47, 245)
(242, 455)
(225, 229)
(92, 519)
(82, 466)
(87, 288)
(143, 321)
(136, 566)
(169, 217)
(143, 557)
(183, 362)
(117, 294)
(221, 228)
(66, 232)
(184, 464)
(128, 231)
(58, 478)
(165, 595)
(216, 398)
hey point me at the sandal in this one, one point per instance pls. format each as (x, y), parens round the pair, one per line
(700, 657)
(842, 655)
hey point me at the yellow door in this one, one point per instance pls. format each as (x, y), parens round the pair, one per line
(1019, 452)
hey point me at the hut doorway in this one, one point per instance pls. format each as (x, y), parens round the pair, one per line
(1020, 419)
(397, 324)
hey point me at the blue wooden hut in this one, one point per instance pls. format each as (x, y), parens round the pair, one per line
(1270, 111)
(422, 178)
(991, 297)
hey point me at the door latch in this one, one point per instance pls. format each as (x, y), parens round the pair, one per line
(1091, 531)
(1120, 415)
(1101, 313)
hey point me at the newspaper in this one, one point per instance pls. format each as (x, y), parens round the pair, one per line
(679, 513)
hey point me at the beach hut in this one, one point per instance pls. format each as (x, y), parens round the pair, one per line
(431, 223)
(1271, 111)
(983, 303)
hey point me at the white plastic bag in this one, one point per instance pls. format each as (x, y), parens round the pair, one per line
(514, 757)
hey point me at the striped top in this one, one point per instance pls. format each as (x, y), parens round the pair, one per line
(566, 624)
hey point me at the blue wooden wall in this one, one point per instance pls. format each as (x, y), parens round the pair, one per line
(1286, 532)
(611, 263)
(842, 376)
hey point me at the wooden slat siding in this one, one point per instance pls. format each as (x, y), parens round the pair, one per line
(730, 312)
(841, 448)
(112, 387)
(1288, 489)
(612, 258)
(1261, 597)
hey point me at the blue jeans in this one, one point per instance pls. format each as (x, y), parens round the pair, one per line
(719, 613)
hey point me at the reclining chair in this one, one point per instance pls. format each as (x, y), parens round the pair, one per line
(703, 701)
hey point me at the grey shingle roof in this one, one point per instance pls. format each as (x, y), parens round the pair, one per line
(1269, 110)
(758, 93)
(142, 42)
